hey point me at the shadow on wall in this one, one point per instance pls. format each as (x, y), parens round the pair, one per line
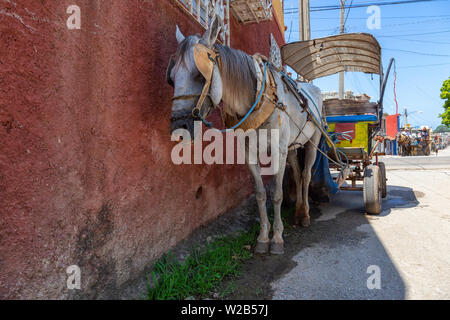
(334, 258)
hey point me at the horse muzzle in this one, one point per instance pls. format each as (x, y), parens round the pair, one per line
(182, 120)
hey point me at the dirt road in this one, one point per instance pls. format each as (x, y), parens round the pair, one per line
(404, 253)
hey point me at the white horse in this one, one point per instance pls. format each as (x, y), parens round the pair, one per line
(234, 82)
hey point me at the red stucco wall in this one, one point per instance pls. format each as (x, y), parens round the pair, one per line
(85, 171)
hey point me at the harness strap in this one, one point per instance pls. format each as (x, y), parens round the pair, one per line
(186, 97)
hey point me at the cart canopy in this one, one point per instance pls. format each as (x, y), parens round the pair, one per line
(355, 52)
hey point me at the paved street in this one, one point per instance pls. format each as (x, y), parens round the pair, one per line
(409, 241)
(433, 162)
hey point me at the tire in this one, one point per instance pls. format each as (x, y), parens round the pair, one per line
(383, 179)
(372, 190)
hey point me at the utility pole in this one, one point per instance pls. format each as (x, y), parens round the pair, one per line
(304, 19)
(342, 30)
(406, 118)
(304, 25)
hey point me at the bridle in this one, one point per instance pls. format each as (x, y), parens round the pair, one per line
(205, 60)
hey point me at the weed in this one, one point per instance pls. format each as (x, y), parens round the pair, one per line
(203, 271)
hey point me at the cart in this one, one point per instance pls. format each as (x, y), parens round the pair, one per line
(420, 143)
(359, 119)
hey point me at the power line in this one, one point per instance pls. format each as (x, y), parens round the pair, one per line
(410, 17)
(395, 25)
(413, 34)
(348, 12)
(416, 22)
(361, 5)
(421, 53)
(422, 41)
(292, 20)
(425, 65)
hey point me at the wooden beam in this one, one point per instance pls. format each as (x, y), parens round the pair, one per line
(336, 107)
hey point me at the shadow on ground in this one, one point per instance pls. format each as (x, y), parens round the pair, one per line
(330, 259)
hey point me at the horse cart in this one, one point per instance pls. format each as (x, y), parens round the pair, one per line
(416, 142)
(351, 125)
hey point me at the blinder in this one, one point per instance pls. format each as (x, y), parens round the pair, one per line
(204, 60)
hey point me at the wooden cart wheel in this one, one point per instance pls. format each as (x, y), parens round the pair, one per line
(372, 189)
(383, 179)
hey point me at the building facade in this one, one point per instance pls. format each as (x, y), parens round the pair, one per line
(86, 176)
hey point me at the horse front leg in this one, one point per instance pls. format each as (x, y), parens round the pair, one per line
(277, 243)
(262, 243)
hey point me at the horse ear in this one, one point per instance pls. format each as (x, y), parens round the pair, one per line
(216, 90)
(210, 36)
(179, 35)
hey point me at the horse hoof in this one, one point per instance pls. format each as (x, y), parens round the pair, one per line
(306, 222)
(277, 248)
(262, 247)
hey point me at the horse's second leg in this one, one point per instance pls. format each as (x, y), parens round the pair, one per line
(293, 161)
(277, 244)
(262, 243)
(310, 158)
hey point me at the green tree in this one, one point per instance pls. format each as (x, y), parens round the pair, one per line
(442, 128)
(445, 94)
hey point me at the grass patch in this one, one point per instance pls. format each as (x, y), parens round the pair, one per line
(203, 271)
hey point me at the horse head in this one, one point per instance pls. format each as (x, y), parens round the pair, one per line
(195, 76)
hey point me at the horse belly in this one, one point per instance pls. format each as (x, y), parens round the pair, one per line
(307, 133)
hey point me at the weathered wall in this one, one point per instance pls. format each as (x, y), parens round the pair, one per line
(85, 171)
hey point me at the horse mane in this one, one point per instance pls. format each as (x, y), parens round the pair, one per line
(239, 80)
(237, 71)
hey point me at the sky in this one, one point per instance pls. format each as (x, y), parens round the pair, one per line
(417, 35)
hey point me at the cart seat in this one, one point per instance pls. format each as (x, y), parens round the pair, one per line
(354, 153)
